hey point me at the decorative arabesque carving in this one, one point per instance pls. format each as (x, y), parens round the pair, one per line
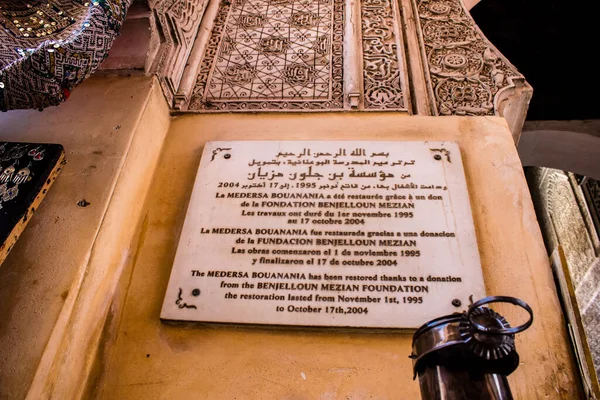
(381, 67)
(288, 55)
(273, 55)
(177, 22)
(467, 73)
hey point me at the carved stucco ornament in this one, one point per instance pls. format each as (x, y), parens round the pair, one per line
(49, 47)
(272, 55)
(468, 74)
(177, 23)
(382, 76)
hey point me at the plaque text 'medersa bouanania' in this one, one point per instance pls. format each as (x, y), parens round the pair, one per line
(324, 233)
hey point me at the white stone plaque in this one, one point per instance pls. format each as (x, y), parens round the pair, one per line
(324, 233)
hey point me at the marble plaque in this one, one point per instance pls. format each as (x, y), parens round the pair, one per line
(324, 233)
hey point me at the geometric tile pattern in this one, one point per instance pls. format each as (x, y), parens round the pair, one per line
(49, 47)
(273, 54)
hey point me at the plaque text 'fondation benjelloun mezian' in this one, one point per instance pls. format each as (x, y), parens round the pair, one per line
(323, 233)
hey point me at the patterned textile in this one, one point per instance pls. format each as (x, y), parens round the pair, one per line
(27, 170)
(47, 47)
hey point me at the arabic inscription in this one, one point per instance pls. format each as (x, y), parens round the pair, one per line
(356, 234)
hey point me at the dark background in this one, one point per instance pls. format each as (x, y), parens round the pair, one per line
(555, 46)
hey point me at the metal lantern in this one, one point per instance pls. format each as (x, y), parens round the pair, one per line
(468, 355)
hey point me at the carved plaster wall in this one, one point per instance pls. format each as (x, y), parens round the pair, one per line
(273, 55)
(282, 55)
(468, 75)
(304, 55)
(176, 23)
(568, 210)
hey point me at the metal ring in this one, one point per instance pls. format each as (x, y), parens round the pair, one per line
(500, 331)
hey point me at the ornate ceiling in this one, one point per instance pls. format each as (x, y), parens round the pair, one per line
(49, 47)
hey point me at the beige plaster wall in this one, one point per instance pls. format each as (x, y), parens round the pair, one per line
(141, 358)
(41, 280)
